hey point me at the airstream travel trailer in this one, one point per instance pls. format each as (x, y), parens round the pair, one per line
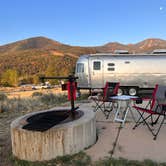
(133, 71)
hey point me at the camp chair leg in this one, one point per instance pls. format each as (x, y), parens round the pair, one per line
(98, 105)
(155, 122)
(102, 106)
(137, 122)
(108, 111)
(143, 120)
(150, 129)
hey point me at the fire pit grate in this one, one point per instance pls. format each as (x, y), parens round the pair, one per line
(46, 120)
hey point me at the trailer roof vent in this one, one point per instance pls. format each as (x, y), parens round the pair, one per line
(159, 51)
(121, 52)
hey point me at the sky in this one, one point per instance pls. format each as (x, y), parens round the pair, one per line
(83, 22)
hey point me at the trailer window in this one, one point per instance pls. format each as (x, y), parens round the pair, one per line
(111, 69)
(127, 62)
(96, 65)
(80, 68)
(111, 64)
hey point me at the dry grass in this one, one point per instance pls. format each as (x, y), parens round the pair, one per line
(14, 107)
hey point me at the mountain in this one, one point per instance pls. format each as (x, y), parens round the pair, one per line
(111, 47)
(145, 46)
(42, 44)
(149, 45)
(31, 43)
(40, 55)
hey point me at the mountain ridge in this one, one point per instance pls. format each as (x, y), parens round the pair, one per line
(43, 56)
(45, 43)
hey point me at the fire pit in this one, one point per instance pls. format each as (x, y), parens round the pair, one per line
(47, 134)
(46, 120)
(33, 141)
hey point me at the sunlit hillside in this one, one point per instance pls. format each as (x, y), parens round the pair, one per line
(36, 56)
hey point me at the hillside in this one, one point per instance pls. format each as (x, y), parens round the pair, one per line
(32, 43)
(42, 44)
(37, 56)
(40, 55)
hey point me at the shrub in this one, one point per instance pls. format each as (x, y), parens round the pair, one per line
(3, 102)
(51, 99)
(3, 97)
(36, 94)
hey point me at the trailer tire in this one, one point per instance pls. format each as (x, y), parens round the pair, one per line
(120, 92)
(132, 91)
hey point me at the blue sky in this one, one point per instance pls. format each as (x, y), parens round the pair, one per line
(83, 22)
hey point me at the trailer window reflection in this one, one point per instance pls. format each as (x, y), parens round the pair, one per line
(111, 69)
(111, 64)
(80, 68)
(96, 65)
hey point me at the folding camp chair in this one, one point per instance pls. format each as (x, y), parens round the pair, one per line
(156, 108)
(103, 101)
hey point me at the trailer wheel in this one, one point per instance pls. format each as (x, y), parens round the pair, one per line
(120, 91)
(132, 91)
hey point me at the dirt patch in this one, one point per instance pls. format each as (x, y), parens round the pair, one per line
(20, 92)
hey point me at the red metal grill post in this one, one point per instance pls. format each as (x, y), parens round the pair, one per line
(71, 87)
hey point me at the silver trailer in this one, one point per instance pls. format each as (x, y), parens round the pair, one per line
(133, 71)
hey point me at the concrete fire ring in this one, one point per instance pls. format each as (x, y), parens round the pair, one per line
(61, 139)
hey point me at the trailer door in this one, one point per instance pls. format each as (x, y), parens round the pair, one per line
(81, 70)
(97, 74)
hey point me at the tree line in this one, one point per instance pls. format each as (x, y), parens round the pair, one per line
(27, 70)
